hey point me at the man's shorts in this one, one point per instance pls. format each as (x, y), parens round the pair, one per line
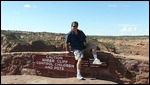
(80, 53)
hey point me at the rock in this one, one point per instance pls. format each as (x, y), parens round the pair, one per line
(27, 71)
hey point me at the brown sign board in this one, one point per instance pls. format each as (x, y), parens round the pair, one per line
(55, 62)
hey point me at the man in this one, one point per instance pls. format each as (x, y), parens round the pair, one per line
(77, 40)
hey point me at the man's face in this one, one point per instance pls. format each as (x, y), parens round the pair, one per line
(74, 27)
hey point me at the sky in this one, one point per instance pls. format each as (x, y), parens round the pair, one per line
(104, 18)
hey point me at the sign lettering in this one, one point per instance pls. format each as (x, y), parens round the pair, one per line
(55, 62)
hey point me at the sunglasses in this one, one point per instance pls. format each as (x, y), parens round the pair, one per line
(74, 26)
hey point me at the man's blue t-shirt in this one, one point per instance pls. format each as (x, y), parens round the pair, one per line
(74, 42)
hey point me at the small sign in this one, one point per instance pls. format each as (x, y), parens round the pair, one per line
(89, 63)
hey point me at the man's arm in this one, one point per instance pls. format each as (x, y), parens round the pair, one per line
(67, 47)
(67, 43)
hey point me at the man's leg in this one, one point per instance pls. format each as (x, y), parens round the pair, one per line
(92, 47)
(79, 63)
(96, 60)
(78, 56)
(94, 51)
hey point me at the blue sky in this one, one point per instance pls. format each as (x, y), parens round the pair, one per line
(112, 18)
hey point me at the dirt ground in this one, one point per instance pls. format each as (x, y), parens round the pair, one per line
(136, 57)
(32, 79)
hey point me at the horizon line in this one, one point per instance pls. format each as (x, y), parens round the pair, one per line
(66, 33)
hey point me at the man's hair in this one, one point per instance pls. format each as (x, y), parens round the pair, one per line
(74, 23)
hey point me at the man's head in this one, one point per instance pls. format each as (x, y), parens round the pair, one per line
(74, 25)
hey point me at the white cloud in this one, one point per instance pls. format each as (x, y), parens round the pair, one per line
(30, 6)
(128, 29)
(112, 5)
(125, 25)
(147, 30)
(27, 6)
(115, 6)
